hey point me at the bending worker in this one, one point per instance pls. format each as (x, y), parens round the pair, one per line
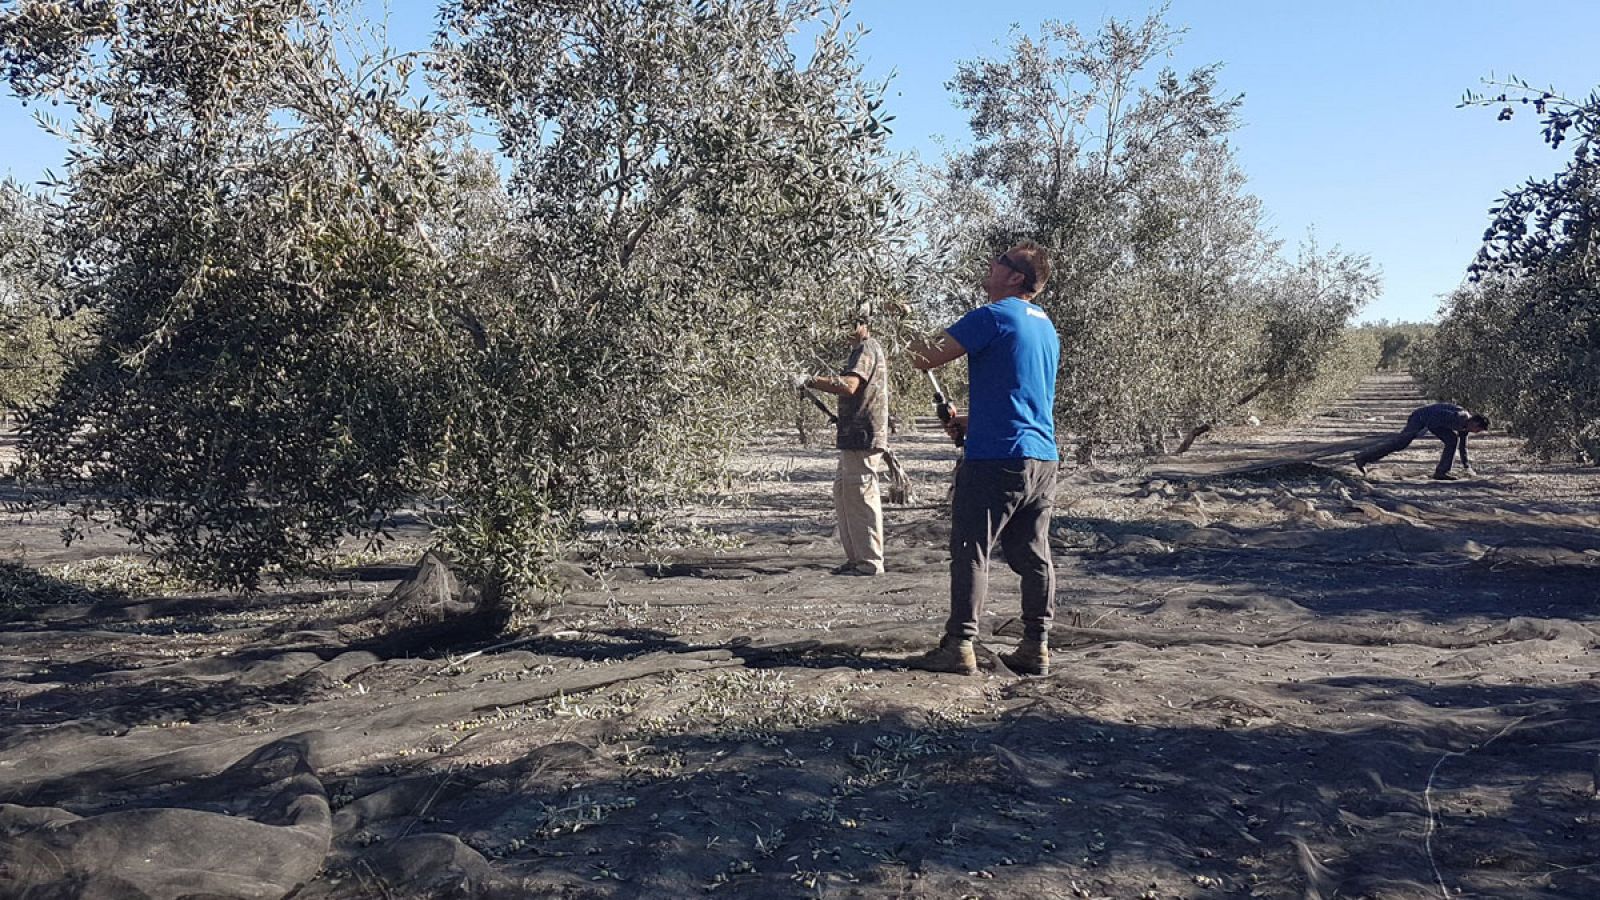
(1448, 422)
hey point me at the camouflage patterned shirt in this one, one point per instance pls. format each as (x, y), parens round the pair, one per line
(864, 417)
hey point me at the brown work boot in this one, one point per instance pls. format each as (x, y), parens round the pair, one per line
(1030, 658)
(953, 655)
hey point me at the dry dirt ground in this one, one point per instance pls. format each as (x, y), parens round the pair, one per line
(1298, 684)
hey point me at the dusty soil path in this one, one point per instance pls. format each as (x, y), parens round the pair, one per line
(1301, 683)
(1377, 409)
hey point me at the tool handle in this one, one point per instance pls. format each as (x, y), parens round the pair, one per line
(942, 406)
(817, 401)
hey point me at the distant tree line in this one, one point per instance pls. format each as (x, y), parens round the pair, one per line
(1393, 343)
(301, 299)
(37, 340)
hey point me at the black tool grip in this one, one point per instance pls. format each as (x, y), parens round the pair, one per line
(942, 406)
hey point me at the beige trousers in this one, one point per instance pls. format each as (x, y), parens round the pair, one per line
(855, 500)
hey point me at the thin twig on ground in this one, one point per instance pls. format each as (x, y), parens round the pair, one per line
(1427, 798)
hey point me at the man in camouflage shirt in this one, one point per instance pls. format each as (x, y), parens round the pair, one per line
(862, 386)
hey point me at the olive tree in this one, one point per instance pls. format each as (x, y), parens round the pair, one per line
(37, 339)
(1480, 315)
(1307, 306)
(696, 196)
(1521, 341)
(317, 306)
(1302, 351)
(1522, 349)
(1398, 342)
(1167, 291)
(244, 213)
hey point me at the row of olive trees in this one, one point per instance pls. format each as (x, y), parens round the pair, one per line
(311, 302)
(1175, 306)
(315, 305)
(1521, 340)
(1397, 342)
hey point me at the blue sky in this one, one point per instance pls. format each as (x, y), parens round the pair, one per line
(1350, 119)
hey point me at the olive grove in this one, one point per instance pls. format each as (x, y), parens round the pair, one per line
(535, 282)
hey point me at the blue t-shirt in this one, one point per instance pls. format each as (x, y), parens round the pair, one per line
(1012, 351)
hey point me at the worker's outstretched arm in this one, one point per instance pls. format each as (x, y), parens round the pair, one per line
(843, 385)
(935, 350)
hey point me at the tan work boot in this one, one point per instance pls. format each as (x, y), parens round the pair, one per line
(952, 655)
(1030, 658)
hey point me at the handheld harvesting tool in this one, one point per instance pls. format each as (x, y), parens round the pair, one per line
(817, 402)
(942, 407)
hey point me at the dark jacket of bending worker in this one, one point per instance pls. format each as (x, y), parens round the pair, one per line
(1447, 421)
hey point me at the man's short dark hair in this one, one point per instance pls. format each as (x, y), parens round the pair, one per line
(1037, 259)
(1480, 420)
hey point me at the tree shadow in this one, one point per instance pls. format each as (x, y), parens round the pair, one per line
(166, 701)
(26, 591)
(1047, 784)
(1439, 573)
(1040, 800)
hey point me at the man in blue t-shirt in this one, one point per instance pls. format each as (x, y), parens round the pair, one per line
(1006, 487)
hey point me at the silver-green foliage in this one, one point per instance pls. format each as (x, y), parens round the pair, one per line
(1174, 308)
(315, 306)
(1305, 353)
(244, 213)
(37, 338)
(692, 203)
(1524, 350)
(1521, 341)
(1396, 342)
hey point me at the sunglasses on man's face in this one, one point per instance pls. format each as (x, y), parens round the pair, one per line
(1005, 260)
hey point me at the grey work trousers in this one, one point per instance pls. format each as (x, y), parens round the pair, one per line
(1009, 501)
